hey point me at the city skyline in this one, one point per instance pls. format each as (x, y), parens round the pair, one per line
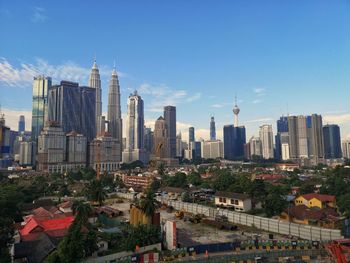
(310, 66)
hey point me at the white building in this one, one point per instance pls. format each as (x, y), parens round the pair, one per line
(212, 149)
(346, 149)
(76, 148)
(134, 148)
(266, 137)
(255, 146)
(240, 202)
(27, 153)
(284, 137)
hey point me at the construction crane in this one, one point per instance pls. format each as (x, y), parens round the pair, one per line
(98, 166)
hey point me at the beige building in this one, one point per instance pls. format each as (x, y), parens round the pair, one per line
(212, 149)
(240, 202)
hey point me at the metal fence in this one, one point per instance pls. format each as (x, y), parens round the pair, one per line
(263, 223)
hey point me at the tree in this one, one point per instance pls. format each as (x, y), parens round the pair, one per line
(185, 197)
(148, 203)
(178, 180)
(95, 192)
(81, 211)
(141, 235)
(274, 202)
(344, 204)
(223, 181)
(161, 169)
(194, 178)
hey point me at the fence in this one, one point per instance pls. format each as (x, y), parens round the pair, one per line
(267, 224)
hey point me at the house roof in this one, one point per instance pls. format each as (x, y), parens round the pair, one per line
(232, 195)
(302, 212)
(67, 204)
(322, 198)
(169, 189)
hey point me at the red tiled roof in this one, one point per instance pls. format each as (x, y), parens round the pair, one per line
(322, 198)
(60, 223)
(302, 212)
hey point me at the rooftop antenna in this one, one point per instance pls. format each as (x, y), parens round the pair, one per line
(287, 110)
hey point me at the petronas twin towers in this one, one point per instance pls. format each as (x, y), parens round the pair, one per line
(114, 109)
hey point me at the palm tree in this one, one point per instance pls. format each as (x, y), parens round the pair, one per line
(96, 193)
(148, 203)
(81, 211)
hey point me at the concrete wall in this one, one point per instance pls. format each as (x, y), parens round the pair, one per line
(267, 224)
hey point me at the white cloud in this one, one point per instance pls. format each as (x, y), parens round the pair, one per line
(12, 116)
(22, 76)
(39, 15)
(259, 91)
(259, 120)
(256, 101)
(337, 119)
(162, 95)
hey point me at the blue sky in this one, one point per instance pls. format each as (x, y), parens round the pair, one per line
(277, 56)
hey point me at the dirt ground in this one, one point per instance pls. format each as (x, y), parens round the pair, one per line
(193, 234)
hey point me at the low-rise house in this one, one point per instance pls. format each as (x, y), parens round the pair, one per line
(174, 193)
(108, 211)
(66, 207)
(240, 202)
(316, 200)
(301, 214)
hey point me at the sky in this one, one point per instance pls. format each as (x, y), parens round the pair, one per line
(278, 57)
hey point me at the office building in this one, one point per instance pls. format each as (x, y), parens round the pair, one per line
(95, 83)
(27, 150)
(134, 146)
(266, 137)
(282, 126)
(191, 136)
(255, 148)
(212, 129)
(161, 142)
(284, 140)
(73, 107)
(104, 153)
(332, 142)
(5, 133)
(179, 145)
(170, 120)
(21, 124)
(115, 127)
(346, 149)
(148, 139)
(76, 148)
(41, 85)
(212, 149)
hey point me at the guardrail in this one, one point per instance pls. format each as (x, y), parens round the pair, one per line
(271, 225)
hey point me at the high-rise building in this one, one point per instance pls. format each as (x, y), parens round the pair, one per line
(76, 148)
(234, 138)
(255, 147)
(149, 139)
(115, 127)
(212, 149)
(5, 134)
(161, 142)
(191, 136)
(21, 124)
(27, 150)
(306, 138)
(212, 129)
(170, 120)
(95, 82)
(114, 109)
(346, 149)
(134, 148)
(41, 85)
(104, 153)
(51, 148)
(179, 145)
(282, 126)
(266, 137)
(284, 140)
(73, 107)
(332, 142)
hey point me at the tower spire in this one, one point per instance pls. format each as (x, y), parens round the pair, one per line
(236, 111)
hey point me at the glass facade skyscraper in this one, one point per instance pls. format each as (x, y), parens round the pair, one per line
(170, 120)
(332, 142)
(41, 86)
(212, 129)
(73, 107)
(234, 140)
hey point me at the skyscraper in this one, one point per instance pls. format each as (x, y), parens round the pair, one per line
(212, 129)
(41, 86)
(234, 138)
(170, 120)
(316, 139)
(114, 109)
(21, 124)
(346, 149)
(134, 146)
(282, 126)
(73, 107)
(161, 142)
(191, 137)
(332, 143)
(149, 139)
(95, 82)
(255, 147)
(179, 145)
(266, 137)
